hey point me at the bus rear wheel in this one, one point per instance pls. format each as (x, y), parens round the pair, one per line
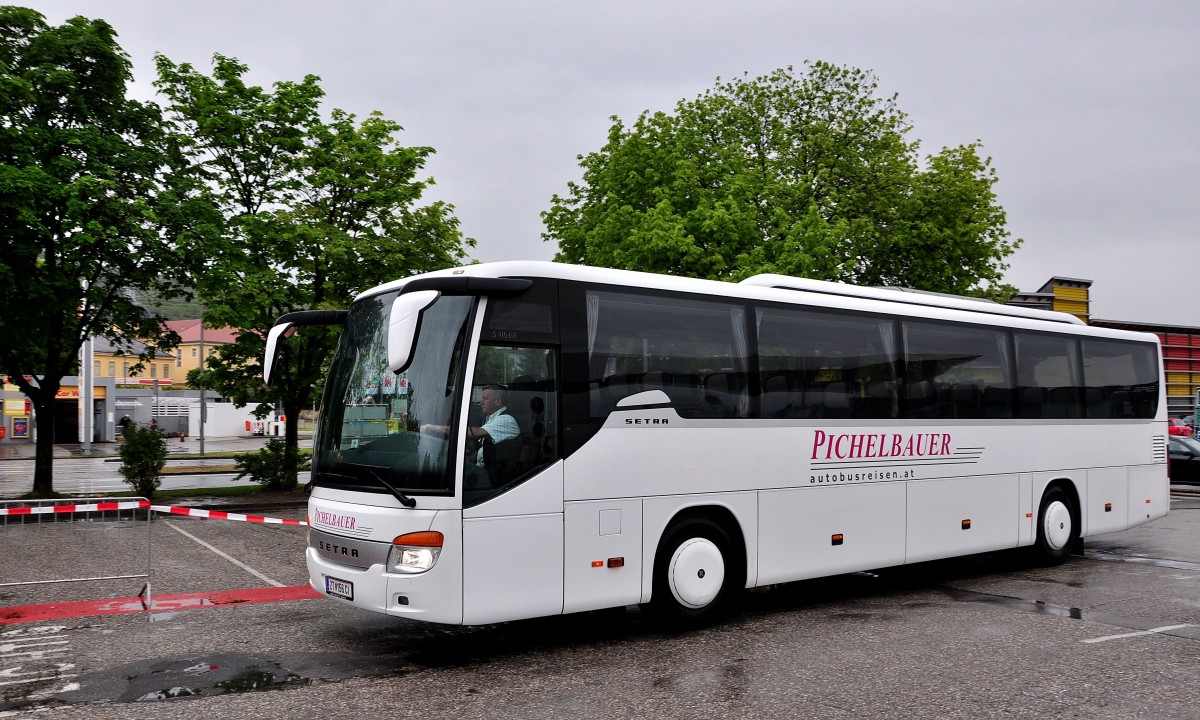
(697, 574)
(1057, 529)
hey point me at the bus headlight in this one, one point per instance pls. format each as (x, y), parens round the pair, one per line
(415, 552)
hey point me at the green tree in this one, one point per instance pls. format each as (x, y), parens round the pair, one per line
(79, 193)
(309, 213)
(806, 175)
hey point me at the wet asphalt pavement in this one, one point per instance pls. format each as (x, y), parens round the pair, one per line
(1112, 634)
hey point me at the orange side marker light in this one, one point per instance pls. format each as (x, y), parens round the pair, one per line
(424, 538)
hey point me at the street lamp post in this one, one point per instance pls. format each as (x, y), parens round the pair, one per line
(203, 397)
(87, 392)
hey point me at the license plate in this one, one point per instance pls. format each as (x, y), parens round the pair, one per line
(339, 588)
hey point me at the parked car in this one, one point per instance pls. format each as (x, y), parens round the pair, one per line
(1177, 427)
(1183, 459)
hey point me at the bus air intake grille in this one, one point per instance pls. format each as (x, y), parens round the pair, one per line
(1159, 451)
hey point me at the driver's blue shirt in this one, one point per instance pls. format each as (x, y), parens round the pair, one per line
(499, 426)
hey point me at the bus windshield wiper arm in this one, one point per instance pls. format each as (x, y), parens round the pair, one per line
(405, 500)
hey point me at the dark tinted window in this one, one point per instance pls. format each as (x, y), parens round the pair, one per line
(821, 364)
(693, 350)
(527, 318)
(1120, 379)
(956, 371)
(1048, 376)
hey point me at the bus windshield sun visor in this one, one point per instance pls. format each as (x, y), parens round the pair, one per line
(291, 320)
(466, 285)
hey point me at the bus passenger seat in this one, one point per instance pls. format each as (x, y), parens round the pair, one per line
(879, 400)
(997, 402)
(779, 400)
(1029, 402)
(835, 401)
(919, 401)
(966, 400)
(725, 395)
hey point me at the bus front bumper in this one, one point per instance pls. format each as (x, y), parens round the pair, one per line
(431, 596)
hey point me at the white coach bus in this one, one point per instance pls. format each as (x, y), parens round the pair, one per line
(673, 441)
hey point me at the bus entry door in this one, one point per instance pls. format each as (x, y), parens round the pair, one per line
(513, 552)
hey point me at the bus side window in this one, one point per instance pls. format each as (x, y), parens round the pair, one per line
(948, 367)
(817, 363)
(528, 380)
(1121, 379)
(1049, 383)
(694, 351)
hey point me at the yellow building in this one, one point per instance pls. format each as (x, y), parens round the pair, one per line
(168, 369)
(1060, 294)
(108, 361)
(188, 353)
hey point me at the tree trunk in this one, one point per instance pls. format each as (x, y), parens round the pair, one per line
(291, 432)
(43, 464)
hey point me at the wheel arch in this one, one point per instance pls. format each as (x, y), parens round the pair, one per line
(736, 518)
(1068, 486)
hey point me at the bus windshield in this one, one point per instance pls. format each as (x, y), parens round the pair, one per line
(368, 438)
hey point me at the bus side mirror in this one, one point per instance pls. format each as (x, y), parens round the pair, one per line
(272, 353)
(285, 324)
(403, 326)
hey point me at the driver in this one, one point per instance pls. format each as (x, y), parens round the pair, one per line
(497, 426)
(497, 423)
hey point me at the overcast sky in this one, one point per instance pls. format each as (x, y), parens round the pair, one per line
(1089, 109)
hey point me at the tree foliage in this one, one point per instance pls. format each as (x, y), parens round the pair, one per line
(274, 466)
(300, 213)
(143, 456)
(80, 196)
(807, 175)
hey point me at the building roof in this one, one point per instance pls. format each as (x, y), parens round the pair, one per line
(1048, 287)
(189, 332)
(1151, 327)
(104, 346)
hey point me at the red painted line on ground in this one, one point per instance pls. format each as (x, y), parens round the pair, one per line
(161, 603)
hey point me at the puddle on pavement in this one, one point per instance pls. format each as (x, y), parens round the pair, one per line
(1044, 608)
(206, 677)
(253, 679)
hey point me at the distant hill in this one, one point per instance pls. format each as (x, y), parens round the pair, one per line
(176, 309)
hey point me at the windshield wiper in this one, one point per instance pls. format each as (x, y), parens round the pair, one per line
(405, 500)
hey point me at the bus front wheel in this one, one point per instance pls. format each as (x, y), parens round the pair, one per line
(697, 575)
(1057, 529)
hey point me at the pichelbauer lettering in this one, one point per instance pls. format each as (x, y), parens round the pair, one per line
(328, 519)
(857, 446)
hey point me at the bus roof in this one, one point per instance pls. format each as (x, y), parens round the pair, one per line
(909, 296)
(780, 288)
